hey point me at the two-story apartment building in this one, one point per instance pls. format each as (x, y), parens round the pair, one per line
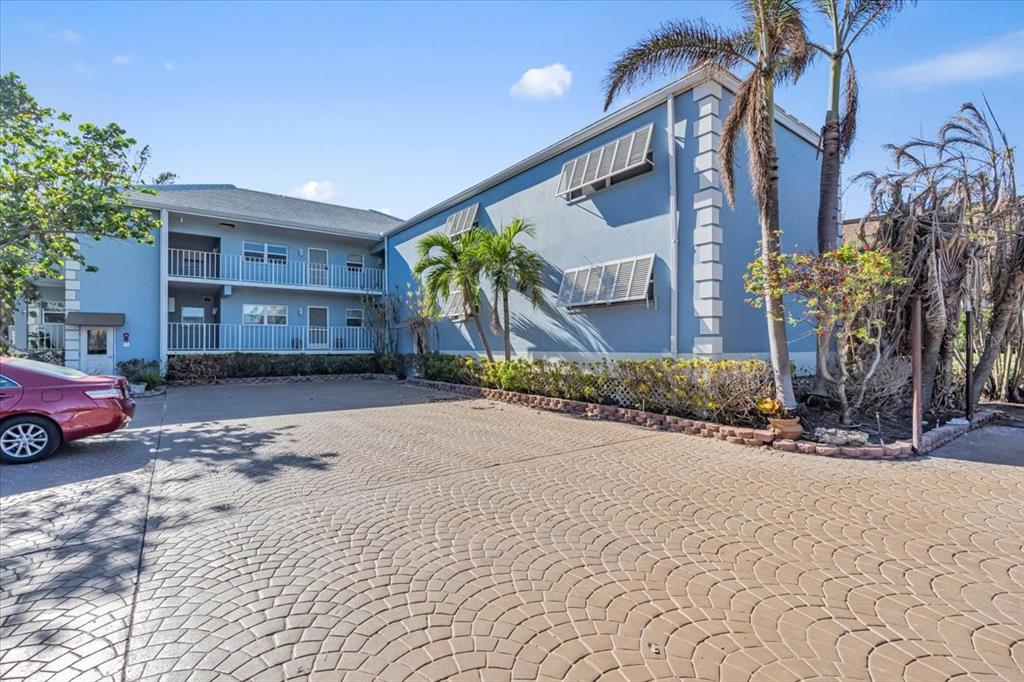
(644, 257)
(231, 270)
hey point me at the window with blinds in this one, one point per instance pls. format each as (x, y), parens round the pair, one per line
(626, 157)
(453, 307)
(619, 281)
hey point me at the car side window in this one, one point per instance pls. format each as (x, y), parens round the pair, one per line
(8, 383)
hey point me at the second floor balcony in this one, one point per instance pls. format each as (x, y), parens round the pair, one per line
(237, 269)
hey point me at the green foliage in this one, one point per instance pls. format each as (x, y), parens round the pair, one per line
(58, 184)
(511, 266)
(725, 391)
(843, 293)
(139, 371)
(206, 368)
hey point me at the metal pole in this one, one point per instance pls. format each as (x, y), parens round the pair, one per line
(915, 356)
(969, 390)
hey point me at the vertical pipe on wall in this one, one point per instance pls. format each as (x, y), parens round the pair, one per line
(915, 358)
(165, 237)
(673, 217)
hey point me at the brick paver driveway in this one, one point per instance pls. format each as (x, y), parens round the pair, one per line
(371, 530)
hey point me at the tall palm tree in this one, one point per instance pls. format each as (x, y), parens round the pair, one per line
(773, 43)
(452, 266)
(510, 265)
(847, 21)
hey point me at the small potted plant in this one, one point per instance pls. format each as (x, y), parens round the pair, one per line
(783, 424)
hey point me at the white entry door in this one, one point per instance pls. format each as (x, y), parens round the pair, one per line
(318, 267)
(318, 328)
(98, 343)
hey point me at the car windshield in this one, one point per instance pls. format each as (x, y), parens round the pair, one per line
(45, 368)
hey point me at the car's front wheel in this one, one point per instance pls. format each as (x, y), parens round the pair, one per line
(27, 438)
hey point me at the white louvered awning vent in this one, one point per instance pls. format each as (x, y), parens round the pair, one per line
(461, 221)
(617, 281)
(619, 159)
(453, 307)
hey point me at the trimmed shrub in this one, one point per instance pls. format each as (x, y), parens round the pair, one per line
(723, 391)
(139, 371)
(206, 368)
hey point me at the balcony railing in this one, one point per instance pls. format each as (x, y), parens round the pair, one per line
(45, 336)
(229, 267)
(185, 337)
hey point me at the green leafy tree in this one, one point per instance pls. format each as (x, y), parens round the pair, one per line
(772, 43)
(58, 185)
(448, 267)
(509, 265)
(843, 295)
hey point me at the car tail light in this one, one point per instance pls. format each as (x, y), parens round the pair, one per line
(104, 393)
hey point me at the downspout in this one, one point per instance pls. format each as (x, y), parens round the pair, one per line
(673, 217)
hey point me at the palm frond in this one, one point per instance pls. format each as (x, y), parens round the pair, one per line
(848, 123)
(676, 46)
(731, 127)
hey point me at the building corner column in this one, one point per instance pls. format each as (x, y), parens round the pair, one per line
(72, 332)
(707, 234)
(164, 238)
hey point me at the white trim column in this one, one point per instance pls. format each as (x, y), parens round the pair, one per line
(707, 233)
(72, 335)
(673, 217)
(165, 238)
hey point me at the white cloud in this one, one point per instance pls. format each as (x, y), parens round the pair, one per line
(69, 36)
(83, 69)
(316, 190)
(998, 57)
(168, 66)
(123, 59)
(543, 83)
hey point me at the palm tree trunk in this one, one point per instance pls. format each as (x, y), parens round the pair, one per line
(505, 328)
(1004, 309)
(475, 314)
(778, 344)
(828, 193)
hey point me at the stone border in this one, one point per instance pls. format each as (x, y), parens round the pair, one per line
(938, 437)
(733, 434)
(367, 376)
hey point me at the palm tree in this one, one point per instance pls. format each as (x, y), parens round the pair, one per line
(847, 21)
(452, 266)
(773, 43)
(510, 265)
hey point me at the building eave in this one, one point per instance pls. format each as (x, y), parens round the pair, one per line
(688, 82)
(241, 218)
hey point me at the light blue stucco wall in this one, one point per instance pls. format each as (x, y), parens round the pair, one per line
(127, 280)
(628, 219)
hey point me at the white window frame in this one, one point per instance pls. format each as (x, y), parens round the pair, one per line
(264, 314)
(352, 266)
(248, 254)
(359, 314)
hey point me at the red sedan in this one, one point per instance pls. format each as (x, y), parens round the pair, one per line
(43, 405)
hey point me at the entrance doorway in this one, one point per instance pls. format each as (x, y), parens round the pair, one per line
(99, 350)
(317, 330)
(318, 267)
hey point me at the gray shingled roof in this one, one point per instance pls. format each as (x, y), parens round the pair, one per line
(246, 205)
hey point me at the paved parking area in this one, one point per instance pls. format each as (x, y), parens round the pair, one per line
(364, 530)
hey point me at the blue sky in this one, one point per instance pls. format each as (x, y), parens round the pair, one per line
(397, 106)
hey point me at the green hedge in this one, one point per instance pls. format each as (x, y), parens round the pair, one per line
(724, 391)
(205, 368)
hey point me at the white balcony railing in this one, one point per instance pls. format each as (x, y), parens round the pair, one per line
(265, 338)
(45, 336)
(228, 267)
